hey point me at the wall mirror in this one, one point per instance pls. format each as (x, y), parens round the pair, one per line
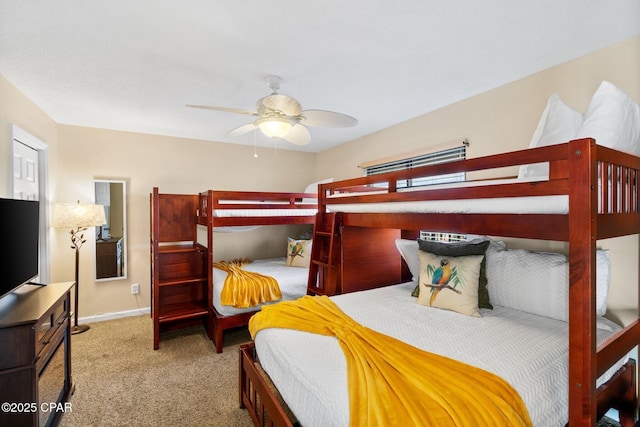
(111, 252)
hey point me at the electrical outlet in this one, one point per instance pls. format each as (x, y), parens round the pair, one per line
(135, 289)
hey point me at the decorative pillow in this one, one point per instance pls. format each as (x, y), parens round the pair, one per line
(450, 282)
(456, 249)
(313, 188)
(298, 252)
(559, 123)
(613, 120)
(538, 282)
(409, 251)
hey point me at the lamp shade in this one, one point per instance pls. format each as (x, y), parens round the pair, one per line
(274, 127)
(77, 215)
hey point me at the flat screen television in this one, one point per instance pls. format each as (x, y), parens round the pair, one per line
(19, 230)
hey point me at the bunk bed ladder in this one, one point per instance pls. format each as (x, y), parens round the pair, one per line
(323, 268)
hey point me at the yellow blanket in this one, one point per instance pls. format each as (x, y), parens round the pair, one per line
(243, 288)
(393, 383)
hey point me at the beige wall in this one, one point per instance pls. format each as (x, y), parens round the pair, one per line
(499, 120)
(16, 109)
(173, 165)
(78, 155)
(504, 119)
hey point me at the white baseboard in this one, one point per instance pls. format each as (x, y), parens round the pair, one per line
(117, 315)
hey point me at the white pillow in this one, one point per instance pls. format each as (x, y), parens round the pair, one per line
(409, 251)
(613, 120)
(538, 282)
(559, 123)
(313, 188)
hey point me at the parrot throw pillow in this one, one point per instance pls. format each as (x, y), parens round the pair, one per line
(450, 282)
(298, 253)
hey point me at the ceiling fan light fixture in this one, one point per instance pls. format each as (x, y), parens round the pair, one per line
(274, 127)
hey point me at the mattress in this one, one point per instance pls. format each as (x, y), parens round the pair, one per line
(528, 351)
(234, 213)
(557, 204)
(292, 282)
(554, 204)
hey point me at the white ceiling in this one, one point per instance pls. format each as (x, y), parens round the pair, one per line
(133, 65)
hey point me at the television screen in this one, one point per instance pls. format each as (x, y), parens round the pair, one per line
(19, 228)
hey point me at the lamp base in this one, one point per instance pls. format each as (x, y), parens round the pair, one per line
(78, 329)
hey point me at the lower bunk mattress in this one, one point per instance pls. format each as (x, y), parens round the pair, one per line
(528, 351)
(292, 282)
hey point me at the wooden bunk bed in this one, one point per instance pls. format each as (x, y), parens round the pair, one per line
(598, 191)
(238, 209)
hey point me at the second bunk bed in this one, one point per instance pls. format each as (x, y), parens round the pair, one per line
(235, 211)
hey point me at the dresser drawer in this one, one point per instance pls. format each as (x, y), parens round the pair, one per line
(49, 347)
(49, 324)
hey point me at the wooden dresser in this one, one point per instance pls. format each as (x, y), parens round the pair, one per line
(35, 355)
(109, 258)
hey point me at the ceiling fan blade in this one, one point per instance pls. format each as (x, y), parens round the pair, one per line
(225, 109)
(298, 135)
(241, 130)
(327, 119)
(283, 103)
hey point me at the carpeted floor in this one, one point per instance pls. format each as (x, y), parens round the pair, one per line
(121, 381)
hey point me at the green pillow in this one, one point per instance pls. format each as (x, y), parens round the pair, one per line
(461, 249)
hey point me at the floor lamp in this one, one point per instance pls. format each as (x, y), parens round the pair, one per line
(78, 217)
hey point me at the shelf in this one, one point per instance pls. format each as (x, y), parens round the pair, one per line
(187, 310)
(191, 247)
(183, 281)
(179, 265)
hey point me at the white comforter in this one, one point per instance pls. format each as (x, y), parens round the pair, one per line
(528, 351)
(292, 282)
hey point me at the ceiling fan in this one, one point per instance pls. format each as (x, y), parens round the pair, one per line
(281, 116)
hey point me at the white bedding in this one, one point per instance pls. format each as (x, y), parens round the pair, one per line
(243, 213)
(528, 351)
(292, 282)
(558, 204)
(229, 213)
(514, 205)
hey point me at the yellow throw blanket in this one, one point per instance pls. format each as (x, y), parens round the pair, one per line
(243, 288)
(393, 383)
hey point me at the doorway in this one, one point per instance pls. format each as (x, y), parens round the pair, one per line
(29, 182)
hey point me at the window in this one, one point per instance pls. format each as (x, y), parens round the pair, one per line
(442, 237)
(448, 155)
(443, 156)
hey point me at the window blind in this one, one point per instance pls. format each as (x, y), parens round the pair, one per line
(443, 156)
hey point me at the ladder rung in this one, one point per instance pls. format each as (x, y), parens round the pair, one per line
(323, 256)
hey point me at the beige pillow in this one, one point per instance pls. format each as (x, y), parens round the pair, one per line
(298, 253)
(450, 282)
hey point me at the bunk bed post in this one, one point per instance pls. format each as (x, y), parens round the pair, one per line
(583, 205)
(205, 209)
(155, 275)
